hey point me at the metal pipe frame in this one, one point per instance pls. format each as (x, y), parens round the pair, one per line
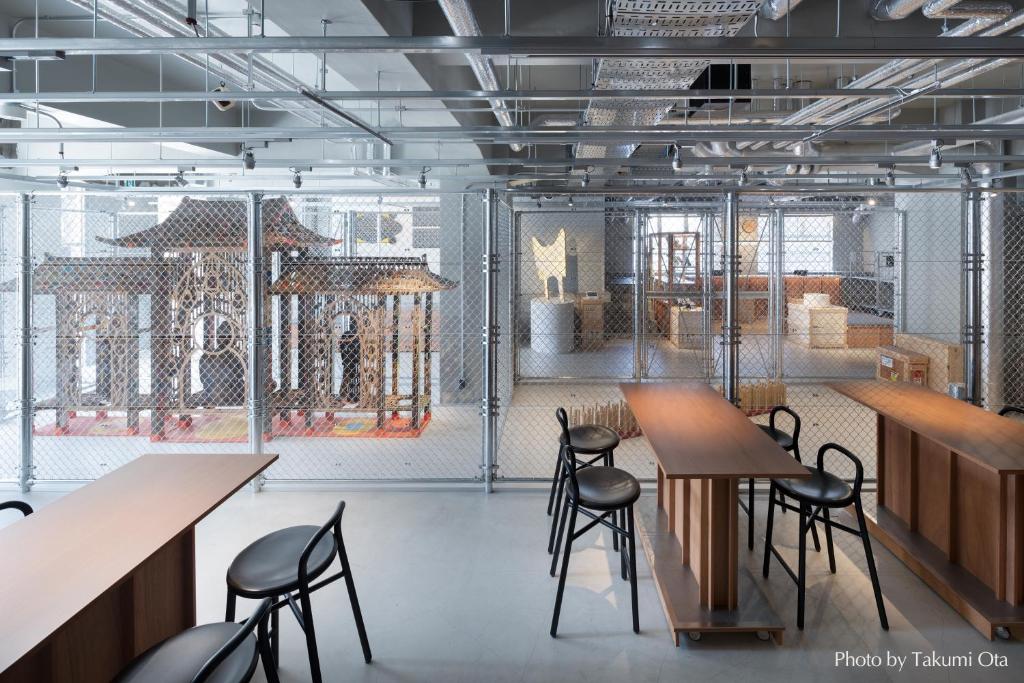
(730, 319)
(971, 287)
(522, 95)
(707, 290)
(639, 297)
(489, 410)
(525, 47)
(899, 304)
(257, 333)
(777, 293)
(25, 375)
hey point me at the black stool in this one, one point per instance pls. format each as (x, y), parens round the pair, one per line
(21, 506)
(281, 566)
(597, 492)
(225, 653)
(589, 440)
(815, 496)
(1008, 410)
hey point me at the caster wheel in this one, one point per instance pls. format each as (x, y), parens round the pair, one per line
(1003, 633)
(695, 636)
(764, 635)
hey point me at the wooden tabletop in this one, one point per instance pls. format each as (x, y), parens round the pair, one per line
(982, 436)
(697, 434)
(61, 558)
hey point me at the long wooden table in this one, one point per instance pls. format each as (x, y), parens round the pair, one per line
(703, 445)
(97, 577)
(950, 497)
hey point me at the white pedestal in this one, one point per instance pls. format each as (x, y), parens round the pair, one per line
(551, 325)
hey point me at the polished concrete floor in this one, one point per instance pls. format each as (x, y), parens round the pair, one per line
(454, 588)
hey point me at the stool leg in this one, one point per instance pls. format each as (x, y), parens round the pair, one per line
(353, 599)
(229, 612)
(631, 528)
(267, 655)
(871, 564)
(561, 531)
(565, 570)
(623, 550)
(558, 504)
(814, 534)
(802, 570)
(275, 634)
(828, 541)
(768, 530)
(750, 514)
(554, 483)
(609, 459)
(310, 631)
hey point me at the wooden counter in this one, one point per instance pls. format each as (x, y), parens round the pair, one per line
(950, 497)
(703, 446)
(99, 576)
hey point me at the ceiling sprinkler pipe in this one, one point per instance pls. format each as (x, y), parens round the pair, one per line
(777, 9)
(966, 9)
(893, 10)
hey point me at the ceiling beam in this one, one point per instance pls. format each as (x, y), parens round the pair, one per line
(767, 48)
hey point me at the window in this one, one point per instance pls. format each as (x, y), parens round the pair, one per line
(808, 245)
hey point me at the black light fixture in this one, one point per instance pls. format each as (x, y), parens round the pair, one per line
(62, 180)
(179, 179)
(422, 182)
(935, 158)
(586, 179)
(570, 202)
(743, 178)
(890, 178)
(677, 162)
(248, 160)
(297, 180)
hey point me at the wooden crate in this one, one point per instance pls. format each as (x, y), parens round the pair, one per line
(902, 365)
(946, 361)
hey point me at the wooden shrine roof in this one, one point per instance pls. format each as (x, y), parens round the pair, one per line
(359, 276)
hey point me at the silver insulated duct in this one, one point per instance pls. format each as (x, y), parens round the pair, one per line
(656, 18)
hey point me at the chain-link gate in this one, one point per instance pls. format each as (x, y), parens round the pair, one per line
(10, 331)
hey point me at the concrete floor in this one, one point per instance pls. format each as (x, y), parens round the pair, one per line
(454, 587)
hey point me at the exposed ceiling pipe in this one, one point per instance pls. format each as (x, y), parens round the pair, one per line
(463, 23)
(891, 10)
(965, 9)
(776, 9)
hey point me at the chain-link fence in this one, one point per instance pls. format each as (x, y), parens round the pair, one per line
(375, 321)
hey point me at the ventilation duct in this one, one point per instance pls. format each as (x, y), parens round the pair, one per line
(966, 9)
(656, 18)
(463, 22)
(891, 10)
(776, 9)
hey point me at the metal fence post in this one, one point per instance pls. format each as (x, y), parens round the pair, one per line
(899, 294)
(639, 298)
(256, 332)
(730, 326)
(489, 339)
(25, 375)
(971, 273)
(777, 295)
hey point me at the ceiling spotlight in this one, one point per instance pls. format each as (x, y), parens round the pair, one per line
(422, 182)
(872, 201)
(890, 178)
(743, 178)
(570, 201)
(248, 160)
(179, 179)
(935, 158)
(62, 180)
(677, 163)
(297, 180)
(586, 179)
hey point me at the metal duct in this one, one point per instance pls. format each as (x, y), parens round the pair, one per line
(966, 9)
(463, 22)
(664, 18)
(776, 9)
(891, 10)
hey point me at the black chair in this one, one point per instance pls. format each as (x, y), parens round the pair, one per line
(587, 440)
(787, 442)
(1009, 410)
(21, 506)
(597, 492)
(814, 497)
(282, 566)
(218, 653)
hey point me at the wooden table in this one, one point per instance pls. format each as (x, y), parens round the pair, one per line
(97, 577)
(704, 445)
(950, 497)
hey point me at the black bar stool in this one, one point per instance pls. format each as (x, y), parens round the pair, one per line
(21, 506)
(1008, 410)
(597, 492)
(282, 565)
(588, 440)
(225, 653)
(787, 442)
(815, 496)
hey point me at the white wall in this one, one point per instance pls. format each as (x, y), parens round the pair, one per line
(933, 264)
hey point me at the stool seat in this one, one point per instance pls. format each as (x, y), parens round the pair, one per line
(606, 488)
(591, 439)
(269, 566)
(822, 488)
(784, 440)
(180, 657)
